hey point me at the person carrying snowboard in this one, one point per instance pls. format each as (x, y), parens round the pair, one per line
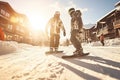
(76, 27)
(55, 24)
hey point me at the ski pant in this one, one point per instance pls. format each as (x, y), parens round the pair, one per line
(76, 43)
(54, 40)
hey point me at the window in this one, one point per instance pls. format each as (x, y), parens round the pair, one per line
(9, 26)
(4, 13)
(7, 15)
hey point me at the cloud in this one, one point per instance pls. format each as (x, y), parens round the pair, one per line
(56, 6)
(83, 9)
(72, 4)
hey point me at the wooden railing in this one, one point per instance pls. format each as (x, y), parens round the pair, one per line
(116, 24)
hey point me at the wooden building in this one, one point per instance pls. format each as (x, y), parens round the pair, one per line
(89, 35)
(14, 24)
(109, 25)
(92, 33)
(85, 35)
(116, 23)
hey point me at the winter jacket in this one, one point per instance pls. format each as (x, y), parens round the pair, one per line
(76, 24)
(102, 38)
(55, 26)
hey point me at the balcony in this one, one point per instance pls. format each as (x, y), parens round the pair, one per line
(103, 30)
(116, 24)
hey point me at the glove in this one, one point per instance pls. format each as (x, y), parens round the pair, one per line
(64, 33)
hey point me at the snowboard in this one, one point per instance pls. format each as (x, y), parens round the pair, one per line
(52, 52)
(74, 56)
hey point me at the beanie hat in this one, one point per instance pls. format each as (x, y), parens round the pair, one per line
(57, 12)
(78, 12)
(71, 10)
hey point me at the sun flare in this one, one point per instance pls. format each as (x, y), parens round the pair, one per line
(37, 22)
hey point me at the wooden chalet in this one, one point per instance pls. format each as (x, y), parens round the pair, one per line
(109, 25)
(14, 24)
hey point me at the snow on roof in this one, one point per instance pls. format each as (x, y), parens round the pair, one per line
(117, 4)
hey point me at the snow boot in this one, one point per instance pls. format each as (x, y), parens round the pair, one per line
(78, 52)
(56, 49)
(51, 49)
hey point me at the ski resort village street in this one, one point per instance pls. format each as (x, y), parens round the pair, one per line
(26, 62)
(59, 40)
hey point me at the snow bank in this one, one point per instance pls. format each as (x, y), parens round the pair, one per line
(113, 42)
(110, 42)
(12, 46)
(8, 46)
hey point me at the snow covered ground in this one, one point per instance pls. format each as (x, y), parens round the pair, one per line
(110, 42)
(20, 61)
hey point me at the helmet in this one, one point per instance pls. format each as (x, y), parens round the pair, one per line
(71, 10)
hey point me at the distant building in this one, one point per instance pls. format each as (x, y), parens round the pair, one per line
(109, 25)
(92, 33)
(117, 19)
(85, 35)
(14, 24)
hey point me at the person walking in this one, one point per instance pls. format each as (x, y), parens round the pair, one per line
(55, 24)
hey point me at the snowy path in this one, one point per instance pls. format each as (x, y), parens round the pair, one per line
(31, 63)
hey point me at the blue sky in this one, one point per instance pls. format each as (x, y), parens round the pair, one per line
(40, 11)
(96, 8)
